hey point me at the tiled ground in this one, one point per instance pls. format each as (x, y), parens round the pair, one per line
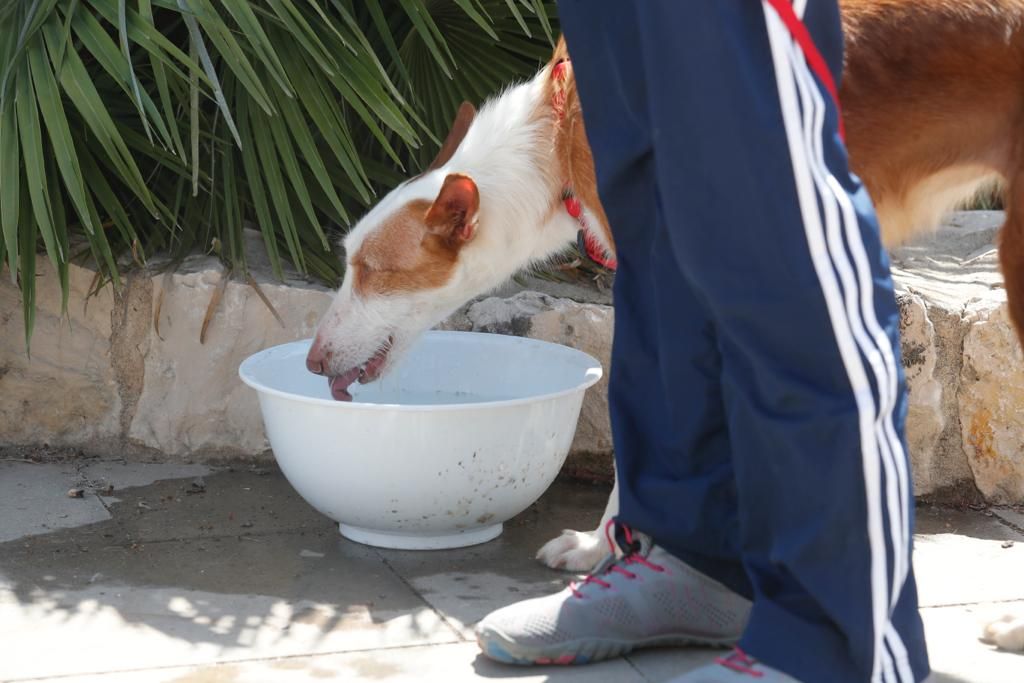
(233, 578)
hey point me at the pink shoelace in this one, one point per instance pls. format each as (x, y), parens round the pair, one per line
(740, 661)
(633, 557)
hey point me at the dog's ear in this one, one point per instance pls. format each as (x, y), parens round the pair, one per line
(453, 214)
(460, 126)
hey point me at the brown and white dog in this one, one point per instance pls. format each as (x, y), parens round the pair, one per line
(933, 101)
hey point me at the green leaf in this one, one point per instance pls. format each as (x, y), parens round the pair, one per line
(170, 125)
(303, 33)
(107, 198)
(193, 99)
(428, 33)
(381, 23)
(330, 121)
(32, 19)
(519, 17)
(160, 78)
(296, 181)
(27, 233)
(542, 14)
(251, 28)
(10, 186)
(294, 126)
(30, 132)
(270, 168)
(231, 53)
(257, 192)
(79, 88)
(122, 33)
(63, 146)
(233, 226)
(149, 38)
(99, 45)
(100, 246)
(474, 14)
(69, 14)
(60, 233)
(211, 73)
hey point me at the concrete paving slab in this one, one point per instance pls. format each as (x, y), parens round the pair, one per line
(465, 584)
(126, 474)
(201, 601)
(662, 665)
(451, 663)
(34, 500)
(34, 496)
(958, 656)
(223, 503)
(1010, 516)
(244, 582)
(960, 558)
(980, 524)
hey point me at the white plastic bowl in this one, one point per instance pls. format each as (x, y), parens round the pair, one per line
(465, 433)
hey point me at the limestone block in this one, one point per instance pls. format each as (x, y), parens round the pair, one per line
(66, 392)
(938, 278)
(192, 399)
(926, 418)
(992, 403)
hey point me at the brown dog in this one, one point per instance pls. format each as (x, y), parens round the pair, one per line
(933, 102)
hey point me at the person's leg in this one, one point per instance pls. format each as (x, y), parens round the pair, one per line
(649, 597)
(669, 457)
(667, 452)
(734, 210)
(781, 243)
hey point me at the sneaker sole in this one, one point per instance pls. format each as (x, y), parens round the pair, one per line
(499, 647)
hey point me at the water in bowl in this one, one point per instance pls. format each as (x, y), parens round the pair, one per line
(385, 396)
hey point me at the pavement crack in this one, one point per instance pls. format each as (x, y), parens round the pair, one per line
(636, 669)
(199, 666)
(104, 504)
(447, 622)
(1007, 523)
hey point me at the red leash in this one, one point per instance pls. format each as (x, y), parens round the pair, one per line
(819, 67)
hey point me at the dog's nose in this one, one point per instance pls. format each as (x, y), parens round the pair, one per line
(316, 359)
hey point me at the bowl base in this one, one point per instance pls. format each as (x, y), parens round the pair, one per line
(400, 541)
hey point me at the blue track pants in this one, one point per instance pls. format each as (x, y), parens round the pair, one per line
(757, 393)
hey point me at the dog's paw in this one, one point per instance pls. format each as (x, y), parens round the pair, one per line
(576, 551)
(1006, 633)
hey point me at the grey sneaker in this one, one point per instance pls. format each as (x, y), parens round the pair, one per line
(737, 667)
(646, 598)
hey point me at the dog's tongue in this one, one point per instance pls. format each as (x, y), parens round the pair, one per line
(339, 385)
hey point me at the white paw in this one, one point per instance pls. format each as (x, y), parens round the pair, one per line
(577, 551)
(1006, 633)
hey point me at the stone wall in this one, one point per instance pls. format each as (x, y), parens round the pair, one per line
(116, 378)
(126, 374)
(964, 366)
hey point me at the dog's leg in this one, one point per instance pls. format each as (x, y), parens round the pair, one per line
(580, 551)
(1006, 633)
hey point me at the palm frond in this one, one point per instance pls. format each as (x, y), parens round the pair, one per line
(139, 126)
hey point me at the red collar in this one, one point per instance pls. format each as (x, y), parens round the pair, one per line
(586, 242)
